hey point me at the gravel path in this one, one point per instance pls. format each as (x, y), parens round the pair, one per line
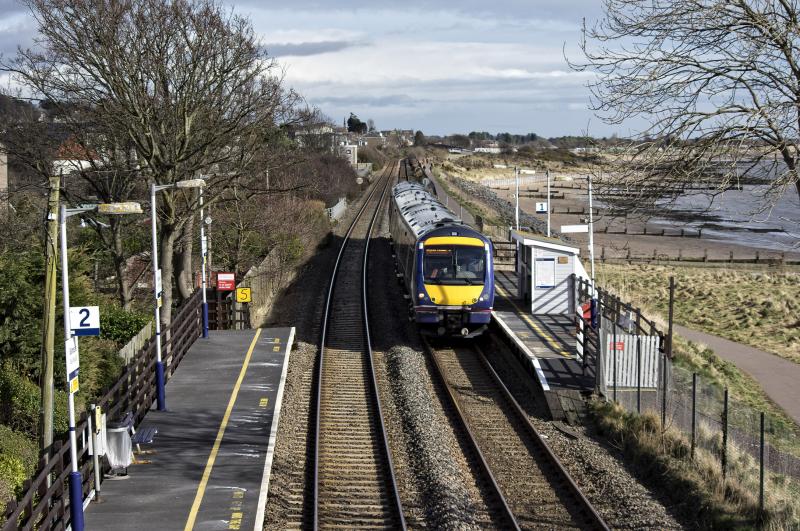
(778, 376)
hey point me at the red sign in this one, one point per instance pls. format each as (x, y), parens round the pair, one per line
(619, 345)
(226, 282)
(586, 310)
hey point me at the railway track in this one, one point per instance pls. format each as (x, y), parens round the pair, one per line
(537, 490)
(354, 483)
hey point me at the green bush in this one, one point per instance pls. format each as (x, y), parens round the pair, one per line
(19, 403)
(18, 458)
(119, 325)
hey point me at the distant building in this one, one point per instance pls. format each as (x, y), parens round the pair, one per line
(493, 150)
(349, 152)
(374, 139)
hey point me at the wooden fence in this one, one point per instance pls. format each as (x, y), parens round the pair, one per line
(44, 502)
(137, 343)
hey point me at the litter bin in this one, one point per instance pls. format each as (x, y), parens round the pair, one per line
(119, 450)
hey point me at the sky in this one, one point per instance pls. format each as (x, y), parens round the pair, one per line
(442, 67)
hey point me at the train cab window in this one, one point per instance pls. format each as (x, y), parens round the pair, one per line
(453, 264)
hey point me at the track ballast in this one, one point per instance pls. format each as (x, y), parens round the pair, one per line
(354, 483)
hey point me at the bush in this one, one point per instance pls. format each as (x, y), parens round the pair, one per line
(19, 404)
(121, 326)
(18, 459)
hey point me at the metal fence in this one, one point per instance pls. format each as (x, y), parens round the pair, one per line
(755, 448)
(44, 501)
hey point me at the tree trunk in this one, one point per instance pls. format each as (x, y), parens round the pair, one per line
(120, 267)
(185, 276)
(168, 236)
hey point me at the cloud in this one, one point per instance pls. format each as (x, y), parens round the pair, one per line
(302, 49)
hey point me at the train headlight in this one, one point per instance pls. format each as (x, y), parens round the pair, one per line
(421, 295)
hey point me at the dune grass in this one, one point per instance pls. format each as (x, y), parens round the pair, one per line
(696, 485)
(759, 308)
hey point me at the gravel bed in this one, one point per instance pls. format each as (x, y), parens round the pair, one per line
(300, 305)
(599, 469)
(437, 485)
(449, 502)
(286, 508)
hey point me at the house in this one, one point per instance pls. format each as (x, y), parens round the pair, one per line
(349, 152)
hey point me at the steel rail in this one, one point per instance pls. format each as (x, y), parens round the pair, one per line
(586, 506)
(473, 442)
(324, 336)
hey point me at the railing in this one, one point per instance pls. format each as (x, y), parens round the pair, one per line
(224, 313)
(44, 503)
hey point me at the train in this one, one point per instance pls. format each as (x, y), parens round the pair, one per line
(447, 266)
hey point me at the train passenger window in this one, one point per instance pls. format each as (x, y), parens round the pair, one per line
(454, 264)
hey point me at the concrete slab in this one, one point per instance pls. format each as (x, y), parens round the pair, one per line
(210, 469)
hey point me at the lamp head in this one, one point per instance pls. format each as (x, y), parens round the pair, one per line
(191, 183)
(119, 208)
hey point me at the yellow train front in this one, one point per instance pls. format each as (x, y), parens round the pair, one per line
(446, 265)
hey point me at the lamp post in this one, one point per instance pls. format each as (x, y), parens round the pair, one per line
(203, 258)
(157, 282)
(591, 232)
(516, 196)
(75, 481)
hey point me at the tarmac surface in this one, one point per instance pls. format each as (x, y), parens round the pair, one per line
(778, 377)
(211, 457)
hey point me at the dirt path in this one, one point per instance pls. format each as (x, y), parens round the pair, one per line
(778, 377)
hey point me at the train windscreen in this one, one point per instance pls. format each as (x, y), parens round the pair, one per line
(454, 264)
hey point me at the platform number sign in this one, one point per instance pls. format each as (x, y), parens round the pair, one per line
(85, 321)
(541, 208)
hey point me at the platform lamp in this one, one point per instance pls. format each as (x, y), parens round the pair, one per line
(75, 480)
(189, 183)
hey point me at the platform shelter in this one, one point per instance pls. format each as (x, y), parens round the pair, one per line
(545, 274)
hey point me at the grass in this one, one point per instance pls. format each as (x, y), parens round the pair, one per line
(647, 287)
(696, 485)
(756, 308)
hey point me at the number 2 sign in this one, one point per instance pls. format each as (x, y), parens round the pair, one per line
(85, 321)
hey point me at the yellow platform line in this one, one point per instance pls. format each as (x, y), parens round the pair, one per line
(552, 342)
(201, 489)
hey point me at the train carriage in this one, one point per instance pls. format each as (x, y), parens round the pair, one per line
(446, 265)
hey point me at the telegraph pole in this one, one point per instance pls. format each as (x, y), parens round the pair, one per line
(49, 319)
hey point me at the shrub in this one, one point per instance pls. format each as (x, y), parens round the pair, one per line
(120, 326)
(19, 403)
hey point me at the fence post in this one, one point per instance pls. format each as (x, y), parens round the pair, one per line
(95, 457)
(694, 411)
(668, 352)
(725, 436)
(664, 394)
(614, 348)
(638, 372)
(761, 474)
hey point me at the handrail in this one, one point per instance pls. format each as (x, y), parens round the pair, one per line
(43, 507)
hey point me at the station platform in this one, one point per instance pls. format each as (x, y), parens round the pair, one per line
(211, 459)
(547, 343)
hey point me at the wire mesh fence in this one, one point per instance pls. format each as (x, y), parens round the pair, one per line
(759, 452)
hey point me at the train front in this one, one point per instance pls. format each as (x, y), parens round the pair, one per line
(454, 282)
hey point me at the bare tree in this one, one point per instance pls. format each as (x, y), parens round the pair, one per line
(717, 82)
(183, 82)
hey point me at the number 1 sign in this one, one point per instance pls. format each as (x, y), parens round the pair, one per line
(85, 321)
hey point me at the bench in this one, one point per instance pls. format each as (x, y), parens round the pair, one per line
(143, 436)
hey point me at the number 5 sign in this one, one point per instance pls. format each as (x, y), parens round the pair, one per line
(85, 321)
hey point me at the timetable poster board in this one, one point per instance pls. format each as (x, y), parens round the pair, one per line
(545, 274)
